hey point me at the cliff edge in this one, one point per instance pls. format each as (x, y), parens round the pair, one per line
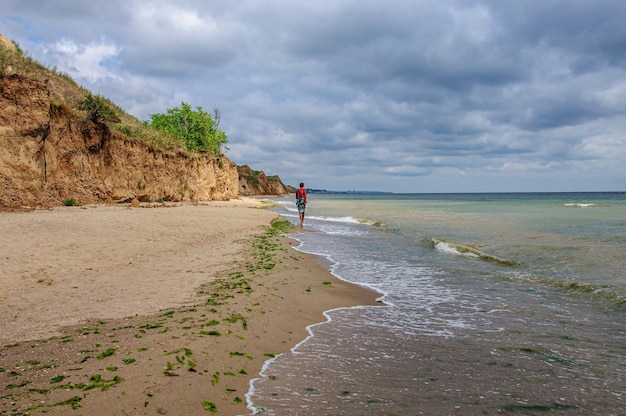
(51, 151)
(253, 182)
(49, 155)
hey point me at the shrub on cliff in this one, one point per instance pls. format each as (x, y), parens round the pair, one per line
(99, 111)
(197, 129)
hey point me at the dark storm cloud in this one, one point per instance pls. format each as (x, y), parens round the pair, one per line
(391, 95)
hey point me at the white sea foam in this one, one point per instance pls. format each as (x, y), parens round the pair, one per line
(467, 251)
(451, 249)
(291, 208)
(579, 205)
(346, 220)
(283, 202)
(251, 391)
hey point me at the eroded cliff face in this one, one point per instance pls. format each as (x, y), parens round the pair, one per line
(47, 155)
(252, 182)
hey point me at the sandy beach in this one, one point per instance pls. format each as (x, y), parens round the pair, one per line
(151, 309)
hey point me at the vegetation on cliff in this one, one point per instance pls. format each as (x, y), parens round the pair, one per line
(61, 142)
(197, 129)
(70, 98)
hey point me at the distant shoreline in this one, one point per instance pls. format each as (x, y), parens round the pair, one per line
(324, 191)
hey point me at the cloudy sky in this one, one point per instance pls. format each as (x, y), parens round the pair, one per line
(390, 95)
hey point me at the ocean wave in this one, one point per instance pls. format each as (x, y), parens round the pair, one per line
(467, 251)
(346, 220)
(583, 205)
(604, 292)
(291, 207)
(282, 202)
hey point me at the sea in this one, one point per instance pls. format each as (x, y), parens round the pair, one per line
(490, 304)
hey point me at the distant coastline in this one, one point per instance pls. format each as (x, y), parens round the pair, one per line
(324, 191)
(331, 192)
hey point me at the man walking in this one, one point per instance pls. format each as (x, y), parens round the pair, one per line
(301, 202)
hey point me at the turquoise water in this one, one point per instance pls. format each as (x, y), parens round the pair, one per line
(496, 303)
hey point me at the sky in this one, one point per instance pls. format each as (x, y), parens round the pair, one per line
(394, 95)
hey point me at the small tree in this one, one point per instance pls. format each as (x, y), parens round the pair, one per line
(197, 129)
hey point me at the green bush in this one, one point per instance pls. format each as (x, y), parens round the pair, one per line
(70, 202)
(98, 109)
(198, 130)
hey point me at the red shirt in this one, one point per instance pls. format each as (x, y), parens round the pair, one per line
(301, 193)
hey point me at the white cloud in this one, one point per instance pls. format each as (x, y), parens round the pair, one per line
(91, 62)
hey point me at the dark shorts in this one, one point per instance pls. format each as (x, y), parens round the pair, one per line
(301, 208)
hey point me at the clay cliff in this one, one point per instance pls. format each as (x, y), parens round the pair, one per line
(252, 182)
(51, 152)
(49, 155)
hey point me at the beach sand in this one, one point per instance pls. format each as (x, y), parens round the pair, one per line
(151, 309)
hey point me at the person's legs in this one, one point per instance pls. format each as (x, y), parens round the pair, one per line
(301, 212)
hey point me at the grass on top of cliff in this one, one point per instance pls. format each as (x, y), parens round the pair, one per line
(69, 98)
